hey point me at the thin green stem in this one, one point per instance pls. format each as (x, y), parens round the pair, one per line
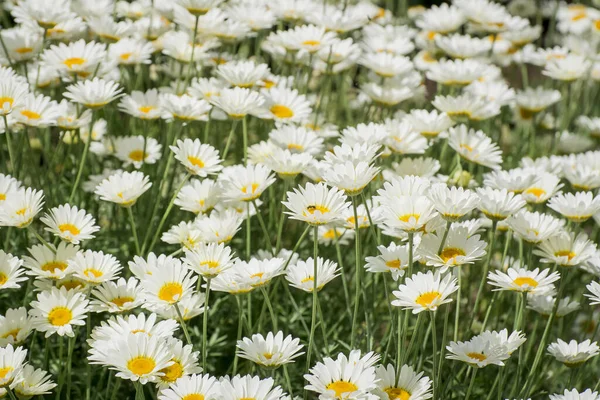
(228, 143)
(484, 272)
(357, 273)
(270, 308)
(205, 325)
(435, 349)
(183, 324)
(134, 231)
(315, 299)
(82, 161)
(471, 384)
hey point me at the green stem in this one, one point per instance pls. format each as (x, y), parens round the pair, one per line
(245, 139)
(270, 307)
(82, 161)
(134, 231)
(435, 359)
(261, 222)
(205, 325)
(457, 315)
(471, 384)
(228, 143)
(484, 273)
(357, 273)
(315, 299)
(183, 324)
(9, 145)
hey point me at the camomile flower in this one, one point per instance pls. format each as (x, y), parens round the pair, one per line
(544, 305)
(70, 118)
(15, 326)
(184, 108)
(567, 69)
(566, 249)
(185, 234)
(271, 351)
(424, 292)
(510, 342)
(253, 387)
(12, 361)
(46, 263)
(498, 205)
(316, 204)
(425, 167)
(257, 17)
(243, 74)
(192, 387)
(76, 58)
(534, 227)
(21, 207)
(429, 124)
(478, 352)
(198, 196)
(409, 185)
(387, 65)
(70, 223)
(456, 72)
(199, 159)
(109, 30)
(532, 101)
(11, 271)
(403, 139)
(349, 177)
(123, 188)
(34, 382)
(573, 354)
(545, 186)
(328, 235)
(58, 310)
(230, 282)
(286, 164)
(386, 96)
(594, 288)
(577, 207)
(408, 213)
(475, 146)
(521, 280)
(458, 249)
(575, 395)
(131, 51)
(169, 285)
(301, 274)
(199, 7)
(515, 180)
(12, 95)
(209, 259)
(239, 102)
(357, 152)
(466, 106)
(452, 203)
(392, 259)
(441, 19)
(139, 358)
(95, 93)
(143, 105)
(179, 46)
(583, 177)
(462, 46)
(116, 297)
(37, 111)
(219, 227)
(94, 267)
(185, 362)
(296, 139)
(286, 105)
(259, 272)
(137, 150)
(409, 384)
(346, 377)
(239, 183)
(46, 15)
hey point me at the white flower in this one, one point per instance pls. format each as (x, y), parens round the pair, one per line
(199, 159)
(425, 292)
(58, 310)
(270, 351)
(70, 223)
(573, 354)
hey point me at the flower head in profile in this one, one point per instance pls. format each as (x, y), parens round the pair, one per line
(316, 204)
(199, 159)
(209, 259)
(392, 259)
(191, 387)
(12, 361)
(576, 207)
(123, 188)
(116, 296)
(459, 248)
(409, 383)
(21, 207)
(94, 267)
(573, 354)
(425, 292)
(479, 352)
(34, 382)
(11, 271)
(15, 326)
(239, 183)
(95, 93)
(566, 249)
(521, 280)
(475, 146)
(301, 274)
(271, 351)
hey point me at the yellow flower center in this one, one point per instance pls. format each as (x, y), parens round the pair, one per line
(341, 387)
(253, 187)
(268, 356)
(2, 196)
(450, 253)
(21, 212)
(141, 365)
(526, 113)
(322, 209)
(30, 114)
(195, 161)
(3, 278)
(92, 272)
(294, 146)
(193, 396)
(24, 50)
(125, 57)
(73, 61)
(308, 279)
(537, 192)
(72, 229)
(330, 234)
(146, 109)
(12, 333)
(73, 284)
(210, 264)
(565, 253)
(281, 111)
(173, 372)
(397, 394)
(4, 371)
(137, 155)
(395, 264)
(122, 300)
(425, 299)
(6, 99)
(477, 356)
(60, 316)
(407, 217)
(54, 265)
(525, 280)
(170, 292)
(311, 43)
(578, 16)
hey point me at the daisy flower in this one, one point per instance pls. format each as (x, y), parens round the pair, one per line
(515, 180)
(544, 187)
(462, 46)
(21, 207)
(131, 51)
(109, 30)
(566, 249)
(310, 38)
(219, 227)
(403, 139)
(76, 58)
(46, 15)
(239, 183)
(478, 352)
(243, 74)
(409, 213)
(544, 304)
(184, 108)
(143, 105)
(510, 342)
(12, 95)
(286, 105)
(34, 382)
(425, 167)
(569, 68)
(498, 205)
(349, 177)
(11, 272)
(239, 102)
(316, 204)
(346, 377)
(230, 282)
(259, 272)
(534, 227)
(301, 274)
(575, 395)
(199, 159)
(594, 289)
(37, 111)
(94, 94)
(198, 196)
(94, 267)
(425, 292)
(521, 280)
(137, 150)
(286, 164)
(185, 362)
(169, 285)
(409, 384)
(466, 106)
(458, 249)
(573, 354)
(392, 259)
(123, 188)
(253, 387)
(429, 124)
(116, 297)
(191, 387)
(12, 361)
(577, 207)
(456, 72)
(185, 234)
(387, 65)
(15, 326)
(475, 146)
(271, 351)
(70, 223)
(532, 101)
(209, 259)
(452, 203)
(58, 310)
(48, 263)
